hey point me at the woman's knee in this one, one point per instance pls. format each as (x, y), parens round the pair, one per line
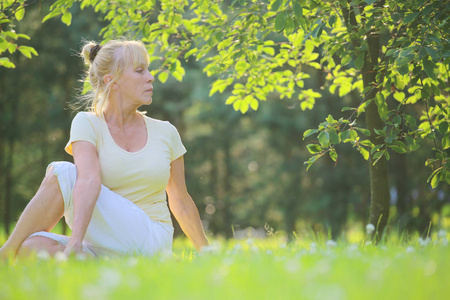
(50, 176)
(35, 244)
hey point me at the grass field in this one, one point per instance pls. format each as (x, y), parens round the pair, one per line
(245, 269)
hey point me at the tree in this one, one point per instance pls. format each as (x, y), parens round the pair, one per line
(11, 10)
(394, 54)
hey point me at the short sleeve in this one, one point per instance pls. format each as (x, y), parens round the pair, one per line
(176, 145)
(82, 129)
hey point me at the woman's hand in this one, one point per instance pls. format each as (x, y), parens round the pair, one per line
(73, 249)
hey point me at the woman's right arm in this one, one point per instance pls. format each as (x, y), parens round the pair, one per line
(85, 192)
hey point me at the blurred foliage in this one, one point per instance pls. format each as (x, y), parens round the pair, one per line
(243, 171)
(11, 10)
(258, 48)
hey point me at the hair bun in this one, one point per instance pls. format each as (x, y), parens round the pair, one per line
(93, 52)
(89, 52)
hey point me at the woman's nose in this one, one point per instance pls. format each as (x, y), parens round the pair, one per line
(150, 77)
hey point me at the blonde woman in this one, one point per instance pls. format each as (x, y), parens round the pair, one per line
(114, 195)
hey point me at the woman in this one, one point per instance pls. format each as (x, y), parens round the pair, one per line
(114, 196)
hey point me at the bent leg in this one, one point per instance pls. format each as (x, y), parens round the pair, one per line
(41, 214)
(35, 244)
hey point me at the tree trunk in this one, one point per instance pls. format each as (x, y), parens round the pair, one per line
(227, 186)
(379, 183)
(8, 185)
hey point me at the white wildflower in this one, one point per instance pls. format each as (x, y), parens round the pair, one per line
(292, 265)
(269, 252)
(237, 248)
(368, 243)
(60, 256)
(211, 249)
(43, 255)
(370, 228)
(424, 242)
(132, 261)
(410, 249)
(442, 234)
(352, 247)
(81, 256)
(331, 244)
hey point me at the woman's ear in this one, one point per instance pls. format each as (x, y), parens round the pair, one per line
(107, 79)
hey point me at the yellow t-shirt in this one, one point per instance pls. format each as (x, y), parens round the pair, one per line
(141, 176)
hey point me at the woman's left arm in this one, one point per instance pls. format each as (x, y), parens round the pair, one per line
(183, 207)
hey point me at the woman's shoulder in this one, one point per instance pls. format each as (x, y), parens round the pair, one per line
(84, 118)
(86, 115)
(158, 123)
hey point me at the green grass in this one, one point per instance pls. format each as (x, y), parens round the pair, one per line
(309, 268)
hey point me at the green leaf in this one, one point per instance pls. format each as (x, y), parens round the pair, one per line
(446, 141)
(334, 138)
(314, 148)
(397, 120)
(364, 152)
(433, 53)
(409, 18)
(324, 138)
(398, 149)
(276, 5)
(359, 62)
(309, 132)
(443, 127)
(5, 62)
(426, 91)
(20, 12)
(435, 180)
(403, 60)
(24, 36)
(289, 26)
(399, 83)
(333, 155)
(163, 76)
(411, 121)
(311, 161)
(67, 18)
(332, 20)
(345, 60)
(364, 131)
(298, 10)
(25, 52)
(399, 96)
(254, 104)
(429, 67)
(12, 48)
(370, 2)
(317, 31)
(244, 107)
(403, 69)
(269, 50)
(344, 135)
(280, 20)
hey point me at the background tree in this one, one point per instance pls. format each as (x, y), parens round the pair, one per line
(381, 48)
(12, 11)
(245, 171)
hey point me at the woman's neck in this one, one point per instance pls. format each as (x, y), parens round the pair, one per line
(120, 115)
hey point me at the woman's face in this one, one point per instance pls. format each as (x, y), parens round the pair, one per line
(135, 85)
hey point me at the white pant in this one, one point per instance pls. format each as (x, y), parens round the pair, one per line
(118, 226)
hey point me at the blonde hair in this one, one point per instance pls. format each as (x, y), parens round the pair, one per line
(109, 59)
